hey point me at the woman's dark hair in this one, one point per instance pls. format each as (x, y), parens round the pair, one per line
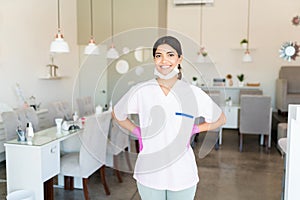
(174, 43)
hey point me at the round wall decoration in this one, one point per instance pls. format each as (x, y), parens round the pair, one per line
(122, 66)
(289, 51)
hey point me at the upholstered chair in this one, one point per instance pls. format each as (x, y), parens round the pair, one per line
(255, 117)
(85, 106)
(20, 117)
(117, 143)
(287, 88)
(92, 154)
(211, 135)
(250, 92)
(135, 119)
(60, 109)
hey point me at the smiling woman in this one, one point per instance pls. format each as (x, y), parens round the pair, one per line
(167, 107)
(167, 55)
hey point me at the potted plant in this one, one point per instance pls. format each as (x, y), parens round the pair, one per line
(203, 51)
(194, 82)
(241, 78)
(229, 101)
(244, 43)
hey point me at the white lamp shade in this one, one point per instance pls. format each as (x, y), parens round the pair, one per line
(203, 59)
(112, 53)
(91, 49)
(247, 57)
(200, 59)
(59, 45)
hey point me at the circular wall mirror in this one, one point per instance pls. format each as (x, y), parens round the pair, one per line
(141, 54)
(122, 66)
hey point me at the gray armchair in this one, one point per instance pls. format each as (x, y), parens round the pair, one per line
(85, 106)
(287, 87)
(59, 109)
(20, 117)
(255, 117)
(63, 109)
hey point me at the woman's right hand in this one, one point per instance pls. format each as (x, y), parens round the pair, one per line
(196, 129)
(137, 132)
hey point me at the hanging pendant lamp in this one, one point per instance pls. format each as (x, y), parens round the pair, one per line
(59, 45)
(202, 54)
(112, 53)
(247, 56)
(91, 48)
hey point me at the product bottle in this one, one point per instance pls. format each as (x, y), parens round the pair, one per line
(75, 117)
(21, 134)
(29, 132)
(110, 106)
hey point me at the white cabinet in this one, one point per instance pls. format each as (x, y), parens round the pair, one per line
(28, 167)
(50, 160)
(44, 123)
(231, 113)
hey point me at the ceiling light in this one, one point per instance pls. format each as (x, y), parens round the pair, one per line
(59, 45)
(91, 48)
(247, 57)
(202, 54)
(112, 53)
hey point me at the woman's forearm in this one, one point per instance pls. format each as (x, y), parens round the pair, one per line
(126, 124)
(211, 126)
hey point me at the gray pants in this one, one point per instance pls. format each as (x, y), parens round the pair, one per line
(147, 193)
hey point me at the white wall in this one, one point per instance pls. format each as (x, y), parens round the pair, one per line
(26, 31)
(28, 27)
(225, 24)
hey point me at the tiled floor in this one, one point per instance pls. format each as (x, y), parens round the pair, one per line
(226, 174)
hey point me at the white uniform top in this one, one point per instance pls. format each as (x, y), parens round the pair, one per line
(166, 161)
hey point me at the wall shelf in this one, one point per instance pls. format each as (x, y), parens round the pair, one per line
(52, 78)
(242, 49)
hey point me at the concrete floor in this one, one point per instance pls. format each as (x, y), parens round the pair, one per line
(226, 174)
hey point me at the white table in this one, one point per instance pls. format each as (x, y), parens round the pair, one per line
(29, 166)
(44, 123)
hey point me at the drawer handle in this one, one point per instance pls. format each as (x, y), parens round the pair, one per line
(53, 150)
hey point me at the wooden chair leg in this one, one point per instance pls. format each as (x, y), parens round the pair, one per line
(267, 141)
(103, 180)
(69, 183)
(85, 188)
(128, 159)
(137, 146)
(116, 169)
(241, 142)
